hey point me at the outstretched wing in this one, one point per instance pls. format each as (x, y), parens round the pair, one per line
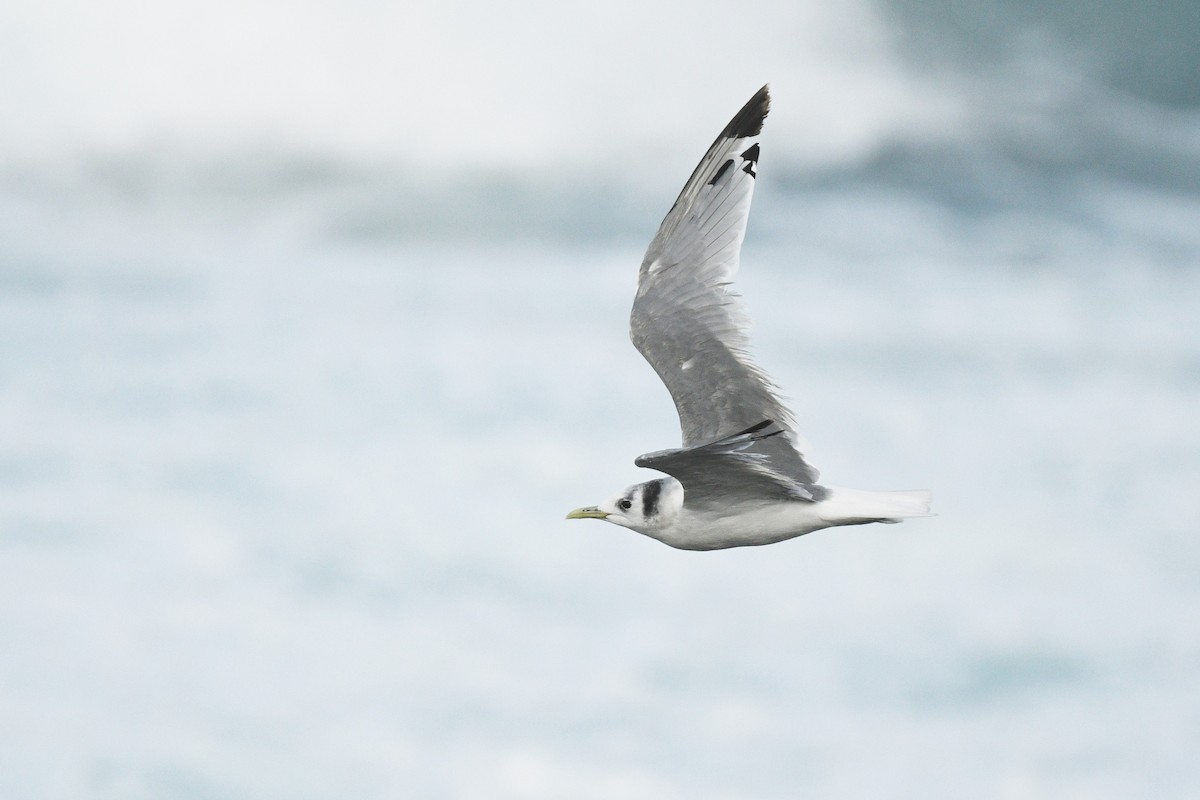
(690, 325)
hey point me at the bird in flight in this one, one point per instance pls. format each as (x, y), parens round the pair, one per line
(740, 477)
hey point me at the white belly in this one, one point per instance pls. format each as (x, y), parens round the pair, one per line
(767, 523)
(746, 527)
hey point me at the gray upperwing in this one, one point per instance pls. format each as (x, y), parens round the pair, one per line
(688, 323)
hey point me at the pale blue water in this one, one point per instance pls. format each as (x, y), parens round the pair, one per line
(286, 442)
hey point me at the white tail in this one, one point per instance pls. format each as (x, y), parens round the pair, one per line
(847, 506)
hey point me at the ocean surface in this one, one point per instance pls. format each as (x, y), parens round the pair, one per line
(289, 424)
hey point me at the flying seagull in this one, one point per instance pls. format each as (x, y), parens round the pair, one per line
(740, 477)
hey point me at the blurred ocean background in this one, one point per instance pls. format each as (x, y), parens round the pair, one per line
(313, 327)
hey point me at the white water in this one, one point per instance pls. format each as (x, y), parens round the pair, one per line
(286, 441)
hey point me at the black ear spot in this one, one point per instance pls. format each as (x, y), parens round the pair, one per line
(650, 498)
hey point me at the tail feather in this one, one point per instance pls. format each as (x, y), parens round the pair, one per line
(856, 506)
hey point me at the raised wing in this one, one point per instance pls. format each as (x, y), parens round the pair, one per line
(690, 325)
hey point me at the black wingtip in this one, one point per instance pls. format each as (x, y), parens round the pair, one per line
(749, 121)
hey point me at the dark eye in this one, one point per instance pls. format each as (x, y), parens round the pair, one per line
(626, 504)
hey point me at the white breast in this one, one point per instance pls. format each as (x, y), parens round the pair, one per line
(741, 527)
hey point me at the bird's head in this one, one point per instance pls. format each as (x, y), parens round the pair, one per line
(644, 507)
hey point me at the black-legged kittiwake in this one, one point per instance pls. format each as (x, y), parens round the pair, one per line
(740, 477)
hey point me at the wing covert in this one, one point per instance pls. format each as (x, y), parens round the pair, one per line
(735, 469)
